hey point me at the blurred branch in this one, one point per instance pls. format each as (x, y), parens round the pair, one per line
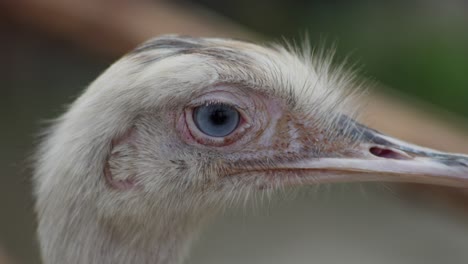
(4, 259)
(115, 27)
(416, 122)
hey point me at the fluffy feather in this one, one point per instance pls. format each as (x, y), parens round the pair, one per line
(83, 220)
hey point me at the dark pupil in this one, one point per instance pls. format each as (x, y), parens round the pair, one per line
(216, 120)
(219, 117)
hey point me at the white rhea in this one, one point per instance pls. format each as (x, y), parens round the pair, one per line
(182, 127)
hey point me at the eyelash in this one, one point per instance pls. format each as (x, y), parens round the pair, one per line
(220, 102)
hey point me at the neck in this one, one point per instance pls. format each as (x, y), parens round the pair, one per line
(82, 237)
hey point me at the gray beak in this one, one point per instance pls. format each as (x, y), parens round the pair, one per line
(377, 157)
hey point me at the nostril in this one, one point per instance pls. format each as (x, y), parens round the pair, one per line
(388, 153)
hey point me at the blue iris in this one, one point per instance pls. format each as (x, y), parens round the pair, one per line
(216, 120)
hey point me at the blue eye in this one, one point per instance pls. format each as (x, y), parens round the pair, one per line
(216, 120)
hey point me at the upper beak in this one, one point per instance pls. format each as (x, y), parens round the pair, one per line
(376, 157)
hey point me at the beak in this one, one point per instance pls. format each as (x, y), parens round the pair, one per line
(376, 157)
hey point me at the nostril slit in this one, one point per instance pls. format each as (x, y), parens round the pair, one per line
(388, 153)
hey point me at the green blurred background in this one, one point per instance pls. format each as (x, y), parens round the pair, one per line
(417, 47)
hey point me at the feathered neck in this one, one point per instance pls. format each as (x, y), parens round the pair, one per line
(78, 234)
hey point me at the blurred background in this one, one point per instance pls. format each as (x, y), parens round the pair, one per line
(415, 53)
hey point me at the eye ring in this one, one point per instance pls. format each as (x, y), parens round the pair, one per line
(193, 133)
(216, 119)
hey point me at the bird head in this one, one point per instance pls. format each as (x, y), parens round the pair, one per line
(182, 122)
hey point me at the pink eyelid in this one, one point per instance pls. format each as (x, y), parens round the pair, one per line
(191, 134)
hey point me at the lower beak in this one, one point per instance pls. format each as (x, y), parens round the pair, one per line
(376, 157)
